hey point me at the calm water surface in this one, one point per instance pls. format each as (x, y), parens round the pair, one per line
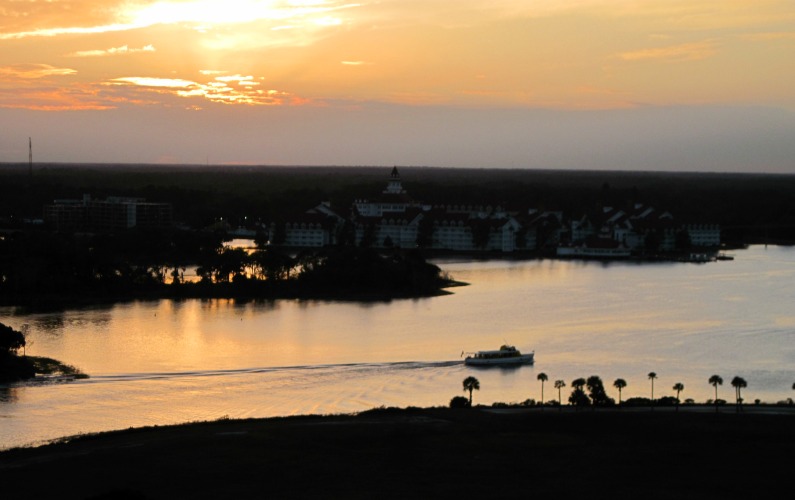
(174, 361)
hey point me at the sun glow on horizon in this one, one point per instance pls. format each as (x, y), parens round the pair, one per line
(202, 15)
(210, 12)
(361, 60)
(232, 89)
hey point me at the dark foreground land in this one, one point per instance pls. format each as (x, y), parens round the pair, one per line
(428, 453)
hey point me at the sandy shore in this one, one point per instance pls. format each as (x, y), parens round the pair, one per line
(423, 453)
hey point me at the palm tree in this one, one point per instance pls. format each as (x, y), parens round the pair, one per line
(619, 384)
(559, 384)
(678, 387)
(471, 384)
(543, 378)
(578, 397)
(716, 380)
(652, 376)
(739, 383)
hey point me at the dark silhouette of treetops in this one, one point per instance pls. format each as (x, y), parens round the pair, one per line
(678, 387)
(739, 384)
(715, 381)
(37, 267)
(543, 378)
(619, 384)
(471, 384)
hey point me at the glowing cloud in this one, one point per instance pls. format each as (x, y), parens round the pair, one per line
(675, 53)
(201, 14)
(209, 12)
(156, 82)
(123, 50)
(232, 89)
(33, 71)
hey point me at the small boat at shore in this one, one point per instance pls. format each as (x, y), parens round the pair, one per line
(506, 355)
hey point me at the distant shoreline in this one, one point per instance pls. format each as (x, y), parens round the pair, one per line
(189, 291)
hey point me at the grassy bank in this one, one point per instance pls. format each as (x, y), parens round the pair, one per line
(14, 368)
(421, 453)
(54, 368)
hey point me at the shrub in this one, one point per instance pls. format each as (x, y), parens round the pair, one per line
(10, 340)
(459, 402)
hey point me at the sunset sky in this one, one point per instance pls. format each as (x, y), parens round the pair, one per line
(598, 84)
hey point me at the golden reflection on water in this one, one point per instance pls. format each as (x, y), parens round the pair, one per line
(164, 360)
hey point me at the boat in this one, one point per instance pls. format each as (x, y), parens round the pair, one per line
(506, 355)
(595, 248)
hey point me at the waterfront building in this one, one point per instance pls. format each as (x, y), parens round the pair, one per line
(393, 199)
(703, 235)
(317, 227)
(394, 220)
(112, 214)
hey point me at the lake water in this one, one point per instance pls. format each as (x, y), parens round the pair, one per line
(167, 361)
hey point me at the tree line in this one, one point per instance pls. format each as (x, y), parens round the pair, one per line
(750, 208)
(36, 265)
(596, 396)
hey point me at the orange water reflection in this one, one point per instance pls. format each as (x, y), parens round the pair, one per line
(196, 358)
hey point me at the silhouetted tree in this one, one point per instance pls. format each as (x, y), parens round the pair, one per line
(678, 387)
(652, 376)
(459, 402)
(12, 366)
(471, 384)
(619, 384)
(596, 391)
(11, 340)
(682, 240)
(559, 384)
(715, 381)
(368, 236)
(578, 397)
(739, 384)
(274, 265)
(481, 229)
(425, 230)
(543, 378)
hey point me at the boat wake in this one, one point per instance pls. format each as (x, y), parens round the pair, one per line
(346, 368)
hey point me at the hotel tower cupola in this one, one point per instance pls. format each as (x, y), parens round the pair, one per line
(394, 186)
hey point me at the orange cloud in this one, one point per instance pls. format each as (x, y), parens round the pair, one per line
(232, 89)
(33, 71)
(54, 99)
(76, 17)
(778, 35)
(674, 53)
(113, 51)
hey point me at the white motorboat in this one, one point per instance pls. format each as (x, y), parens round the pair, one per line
(506, 355)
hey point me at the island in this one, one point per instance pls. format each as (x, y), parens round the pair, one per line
(15, 367)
